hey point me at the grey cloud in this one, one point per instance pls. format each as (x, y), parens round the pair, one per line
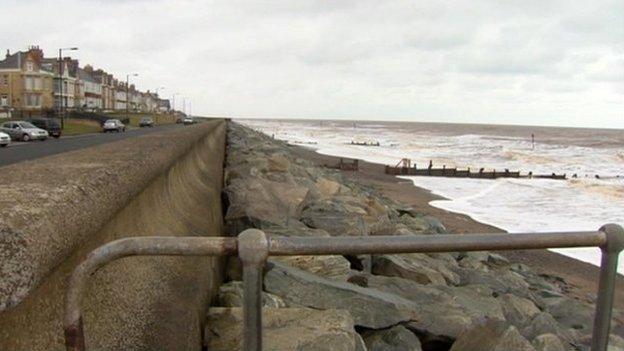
(403, 59)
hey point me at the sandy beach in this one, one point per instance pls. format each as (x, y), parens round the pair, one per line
(581, 277)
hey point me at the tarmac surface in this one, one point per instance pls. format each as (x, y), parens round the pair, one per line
(23, 151)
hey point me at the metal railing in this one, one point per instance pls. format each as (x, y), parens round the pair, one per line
(253, 248)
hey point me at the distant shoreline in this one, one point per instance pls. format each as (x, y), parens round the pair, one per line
(364, 121)
(582, 277)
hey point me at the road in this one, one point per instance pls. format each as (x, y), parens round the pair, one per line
(18, 152)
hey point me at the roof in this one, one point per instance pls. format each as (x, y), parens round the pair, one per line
(12, 61)
(84, 75)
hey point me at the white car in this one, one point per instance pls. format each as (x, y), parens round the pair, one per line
(188, 120)
(113, 125)
(24, 131)
(5, 139)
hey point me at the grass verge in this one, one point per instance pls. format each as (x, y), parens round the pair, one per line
(80, 126)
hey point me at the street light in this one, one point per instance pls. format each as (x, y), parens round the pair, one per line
(173, 102)
(127, 90)
(61, 85)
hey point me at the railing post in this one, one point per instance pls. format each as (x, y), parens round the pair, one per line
(137, 246)
(253, 250)
(606, 287)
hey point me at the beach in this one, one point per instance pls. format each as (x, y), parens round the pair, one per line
(432, 300)
(581, 277)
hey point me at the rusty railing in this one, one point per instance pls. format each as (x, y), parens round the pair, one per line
(253, 248)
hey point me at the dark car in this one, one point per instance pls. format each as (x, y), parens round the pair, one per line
(146, 122)
(51, 125)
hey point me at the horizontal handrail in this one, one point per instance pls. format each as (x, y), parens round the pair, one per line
(253, 248)
(285, 246)
(134, 246)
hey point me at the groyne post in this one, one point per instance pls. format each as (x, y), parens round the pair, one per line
(606, 286)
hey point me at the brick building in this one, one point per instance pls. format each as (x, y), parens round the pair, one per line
(26, 84)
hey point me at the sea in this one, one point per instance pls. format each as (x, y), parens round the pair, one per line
(595, 196)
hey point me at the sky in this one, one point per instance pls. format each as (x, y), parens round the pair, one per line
(509, 62)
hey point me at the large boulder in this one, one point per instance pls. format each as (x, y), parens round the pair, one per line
(501, 281)
(257, 202)
(418, 267)
(548, 342)
(295, 329)
(544, 323)
(573, 314)
(414, 224)
(338, 218)
(370, 308)
(327, 187)
(492, 335)
(231, 295)
(278, 163)
(441, 310)
(397, 338)
(476, 300)
(518, 311)
(332, 267)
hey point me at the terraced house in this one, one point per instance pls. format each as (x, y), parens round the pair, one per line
(32, 85)
(66, 84)
(108, 90)
(25, 84)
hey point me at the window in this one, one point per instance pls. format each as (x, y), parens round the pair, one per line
(4, 80)
(30, 66)
(33, 83)
(29, 83)
(32, 100)
(4, 100)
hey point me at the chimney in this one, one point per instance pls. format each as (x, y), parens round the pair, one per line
(8, 53)
(36, 52)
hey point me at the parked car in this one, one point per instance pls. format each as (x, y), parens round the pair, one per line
(24, 131)
(50, 125)
(5, 139)
(113, 125)
(178, 120)
(188, 120)
(146, 122)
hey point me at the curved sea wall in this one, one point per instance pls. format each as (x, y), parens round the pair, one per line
(57, 209)
(458, 301)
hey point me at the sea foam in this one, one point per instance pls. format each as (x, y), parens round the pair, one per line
(515, 205)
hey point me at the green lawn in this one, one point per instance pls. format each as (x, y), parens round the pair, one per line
(77, 126)
(136, 117)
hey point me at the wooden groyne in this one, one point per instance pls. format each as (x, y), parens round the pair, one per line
(405, 168)
(364, 143)
(345, 165)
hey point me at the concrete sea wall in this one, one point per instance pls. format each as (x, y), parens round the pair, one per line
(54, 211)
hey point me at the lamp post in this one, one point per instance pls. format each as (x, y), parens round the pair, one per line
(127, 90)
(157, 97)
(61, 84)
(173, 101)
